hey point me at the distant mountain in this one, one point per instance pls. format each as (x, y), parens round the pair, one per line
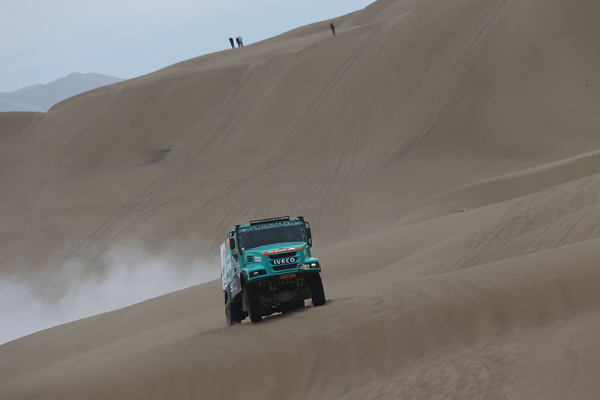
(42, 97)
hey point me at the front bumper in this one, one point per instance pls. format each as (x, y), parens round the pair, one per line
(281, 276)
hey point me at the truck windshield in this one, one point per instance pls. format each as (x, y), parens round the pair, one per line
(255, 238)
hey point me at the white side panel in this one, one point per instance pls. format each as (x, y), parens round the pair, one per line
(223, 266)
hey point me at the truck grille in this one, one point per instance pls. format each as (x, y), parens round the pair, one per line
(282, 255)
(284, 267)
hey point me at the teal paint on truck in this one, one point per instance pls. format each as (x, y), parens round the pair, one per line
(267, 267)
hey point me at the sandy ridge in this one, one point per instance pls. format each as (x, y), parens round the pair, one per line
(380, 136)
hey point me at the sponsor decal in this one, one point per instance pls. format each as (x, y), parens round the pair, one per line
(284, 261)
(266, 253)
(257, 258)
(268, 225)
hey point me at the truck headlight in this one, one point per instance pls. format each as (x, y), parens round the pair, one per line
(306, 267)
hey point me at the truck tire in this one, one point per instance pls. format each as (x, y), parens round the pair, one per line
(252, 298)
(316, 286)
(234, 312)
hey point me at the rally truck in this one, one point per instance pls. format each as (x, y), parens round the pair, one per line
(267, 267)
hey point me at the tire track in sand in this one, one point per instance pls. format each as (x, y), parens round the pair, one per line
(481, 24)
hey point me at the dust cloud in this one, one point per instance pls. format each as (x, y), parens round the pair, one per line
(130, 274)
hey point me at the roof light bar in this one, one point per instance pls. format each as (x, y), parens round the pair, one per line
(264, 221)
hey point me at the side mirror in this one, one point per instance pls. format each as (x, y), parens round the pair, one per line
(308, 235)
(232, 243)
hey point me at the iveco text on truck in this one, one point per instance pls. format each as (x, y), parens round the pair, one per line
(267, 267)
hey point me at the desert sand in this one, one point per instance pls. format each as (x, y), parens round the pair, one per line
(380, 136)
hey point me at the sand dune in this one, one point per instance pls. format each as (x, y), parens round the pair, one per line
(380, 136)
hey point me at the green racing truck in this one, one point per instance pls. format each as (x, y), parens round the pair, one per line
(267, 267)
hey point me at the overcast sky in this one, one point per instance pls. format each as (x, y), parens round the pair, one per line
(43, 40)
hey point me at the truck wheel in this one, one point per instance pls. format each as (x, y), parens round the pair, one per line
(316, 286)
(253, 302)
(230, 320)
(234, 312)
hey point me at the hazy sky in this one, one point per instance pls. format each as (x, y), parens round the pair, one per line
(43, 40)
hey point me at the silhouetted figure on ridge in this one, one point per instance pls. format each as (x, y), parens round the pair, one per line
(332, 28)
(231, 41)
(240, 41)
(237, 39)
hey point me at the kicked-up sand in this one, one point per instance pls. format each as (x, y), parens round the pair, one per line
(380, 136)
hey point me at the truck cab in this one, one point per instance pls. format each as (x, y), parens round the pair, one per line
(267, 267)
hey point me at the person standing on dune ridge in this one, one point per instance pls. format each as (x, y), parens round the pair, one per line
(332, 28)
(231, 41)
(237, 39)
(241, 41)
